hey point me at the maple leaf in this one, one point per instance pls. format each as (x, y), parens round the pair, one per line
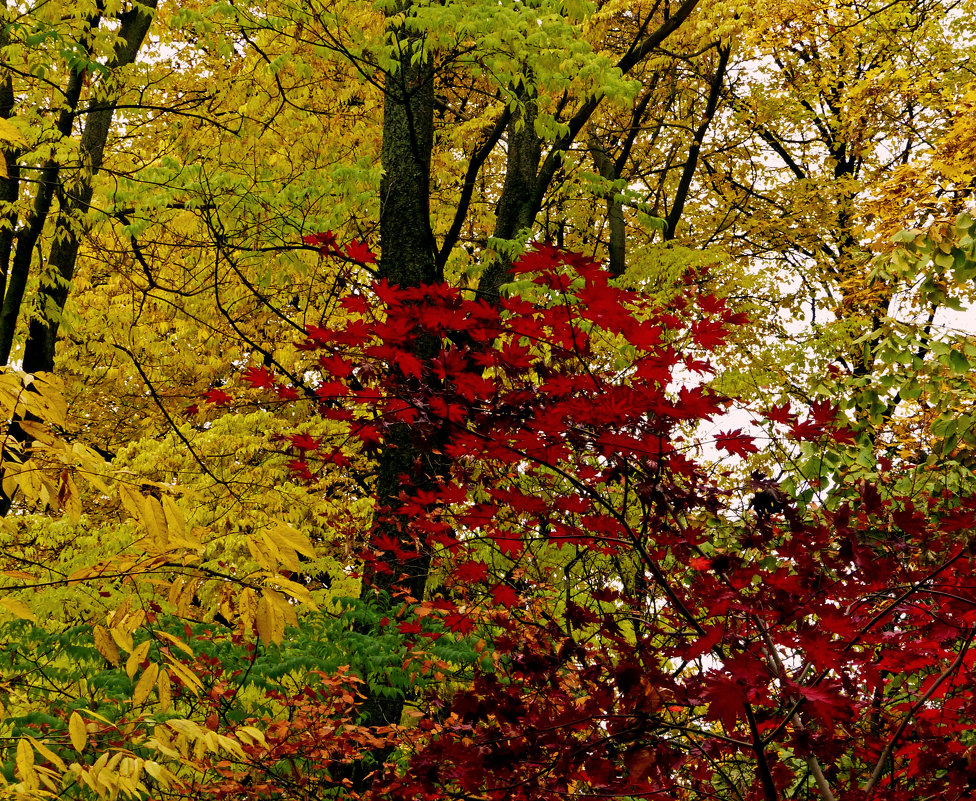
(521, 501)
(504, 595)
(259, 377)
(359, 252)
(300, 468)
(823, 411)
(355, 303)
(807, 430)
(909, 520)
(470, 572)
(646, 335)
(325, 242)
(827, 700)
(639, 760)
(305, 442)
(695, 403)
(510, 544)
(708, 334)
(705, 643)
(726, 700)
(218, 397)
(781, 414)
(843, 435)
(459, 622)
(736, 443)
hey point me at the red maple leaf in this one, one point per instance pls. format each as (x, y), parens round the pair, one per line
(781, 414)
(217, 397)
(325, 242)
(470, 572)
(305, 442)
(355, 303)
(708, 334)
(736, 443)
(504, 595)
(359, 251)
(726, 700)
(823, 411)
(300, 468)
(510, 544)
(259, 377)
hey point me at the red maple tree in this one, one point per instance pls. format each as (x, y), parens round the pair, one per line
(642, 638)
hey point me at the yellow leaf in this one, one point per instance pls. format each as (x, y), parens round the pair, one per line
(285, 554)
(249, 735)
(265, 620)
(35, 430)
(264, 553)
(102, 718)
(162, 776)
(91, 466)
(185, 600)
(164, 691)
(247, 606)
(106, 645)
(19, 608)
(187, 676)
(285, 607)
(174, 516)
(295, 590)
(131, 500)
(294, 539)
(25, 760)
(136, 658)
(175, 589)
(78, 732)
(122, 638)
(10, 134)
(176, 641)
(51, 397)
(70, 500)
(132, 621)
(155, 521)
(145, 684)
(270, 617)
(47, 753)
(120, 612)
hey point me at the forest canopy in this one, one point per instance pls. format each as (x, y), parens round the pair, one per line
(487, 400)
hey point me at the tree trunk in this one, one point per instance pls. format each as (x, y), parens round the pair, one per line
(75, 200)
(407, 258)
(517, 207)
(528, 175)
(617, 245)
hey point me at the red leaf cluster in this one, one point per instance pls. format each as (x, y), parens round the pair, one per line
(644, 640)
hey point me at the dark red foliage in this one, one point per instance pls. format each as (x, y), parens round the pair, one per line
(645, 640)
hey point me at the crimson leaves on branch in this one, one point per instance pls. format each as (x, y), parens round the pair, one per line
(641, 638)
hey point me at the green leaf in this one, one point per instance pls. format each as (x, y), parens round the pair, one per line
(911, 391)
(958, 363)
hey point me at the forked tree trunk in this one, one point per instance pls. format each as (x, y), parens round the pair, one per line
(17, 261)
(75, 198)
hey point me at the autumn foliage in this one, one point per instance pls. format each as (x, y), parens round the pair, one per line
(638, 635)
(321, 477)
